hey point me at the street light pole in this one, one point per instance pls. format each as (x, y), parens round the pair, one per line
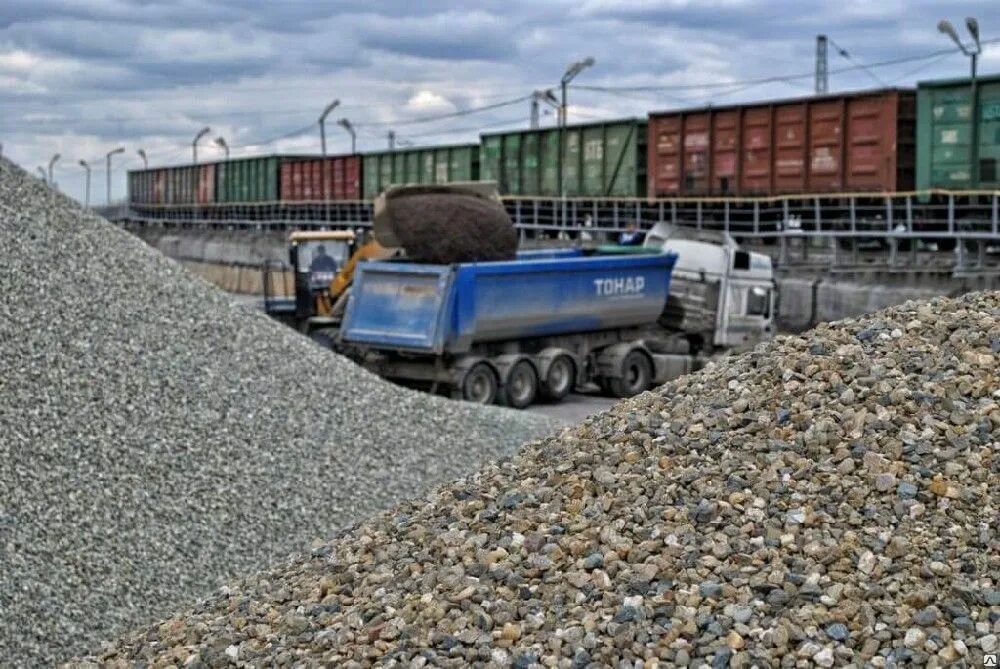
(86, 201)
(120, 149)
(948, 29)
(194, 145)
(322, 123)
(571, 72)
(221, 143)
(52, 163)
(346, 125)
(145, 160)
(392, 140)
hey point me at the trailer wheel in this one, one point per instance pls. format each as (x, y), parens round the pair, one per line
(637, 374)
(560, 378)
(480, 384)
(522, 385)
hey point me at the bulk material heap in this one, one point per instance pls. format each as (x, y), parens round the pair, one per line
(825, 500)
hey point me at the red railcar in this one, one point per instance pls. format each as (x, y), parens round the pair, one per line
(854, 142)
(315, 179)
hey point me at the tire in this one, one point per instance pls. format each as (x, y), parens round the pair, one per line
(480, 384)
(637, 375)
(560, 379)
(522, 385)
(323, 339)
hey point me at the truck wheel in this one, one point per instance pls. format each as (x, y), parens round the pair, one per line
(522, 385)
(480, 384)
(323, 339)
(637, 374)
(560, 378)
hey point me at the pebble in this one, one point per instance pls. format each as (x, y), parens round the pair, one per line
(824, 658)
(837, 631)
(159, 439)
(845, 587)
(914, 638)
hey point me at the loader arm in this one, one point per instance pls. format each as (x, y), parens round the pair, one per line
(342, 281)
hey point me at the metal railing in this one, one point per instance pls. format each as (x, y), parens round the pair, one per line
(900, 225)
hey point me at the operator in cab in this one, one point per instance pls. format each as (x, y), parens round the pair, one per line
(322, 269)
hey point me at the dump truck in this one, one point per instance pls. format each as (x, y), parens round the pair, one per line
(543, 323)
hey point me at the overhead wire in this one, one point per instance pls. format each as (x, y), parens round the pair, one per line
(847, 56)
(777, 78)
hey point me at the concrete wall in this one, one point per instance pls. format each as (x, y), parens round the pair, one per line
(805, 300)
(806, 297)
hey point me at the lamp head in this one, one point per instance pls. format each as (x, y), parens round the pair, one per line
(973, 25)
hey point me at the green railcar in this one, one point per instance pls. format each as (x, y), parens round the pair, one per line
(438, 164)
(945, 124)
(247, 180)
(605, 159)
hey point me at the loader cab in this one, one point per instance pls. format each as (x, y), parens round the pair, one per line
(316, 257)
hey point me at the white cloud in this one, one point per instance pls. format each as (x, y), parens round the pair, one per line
(425, 101)
(18, 60)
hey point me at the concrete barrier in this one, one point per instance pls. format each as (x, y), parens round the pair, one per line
(835, 301)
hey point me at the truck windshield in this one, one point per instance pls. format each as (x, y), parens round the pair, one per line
(758, 302)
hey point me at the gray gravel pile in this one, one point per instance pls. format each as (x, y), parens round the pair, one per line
(157, 440)
(825, 500)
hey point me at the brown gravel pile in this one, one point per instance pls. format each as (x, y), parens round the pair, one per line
(826, 500)
(451, 228)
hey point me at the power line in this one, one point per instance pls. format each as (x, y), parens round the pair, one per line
(774, 79)
(867, 70)
(441, 117)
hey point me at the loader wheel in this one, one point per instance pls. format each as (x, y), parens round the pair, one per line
(560, 379)
(637, 374)
(480, 384)
(522, 385)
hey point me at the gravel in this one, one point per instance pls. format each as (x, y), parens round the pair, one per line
(701, 562)
(159, 440)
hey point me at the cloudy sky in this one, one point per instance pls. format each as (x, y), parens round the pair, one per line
(80, 77)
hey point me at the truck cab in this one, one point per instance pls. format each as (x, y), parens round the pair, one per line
(721, 296)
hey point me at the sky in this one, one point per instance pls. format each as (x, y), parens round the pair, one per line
(82, 77)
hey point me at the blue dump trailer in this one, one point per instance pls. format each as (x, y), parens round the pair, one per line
(514, 331)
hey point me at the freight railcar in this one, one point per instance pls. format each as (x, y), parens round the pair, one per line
(249, 180)
(428, 165)
(851, 142)
(181, 185)
(591, 160)
(945, 134)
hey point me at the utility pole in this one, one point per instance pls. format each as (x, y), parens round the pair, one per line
(571, 72)
(86, 201)
(822, 71)
(120, 149)
(194, 145)
(322, 124)
(392, 140)
(346, 125)
(973, 27)
(52, 163)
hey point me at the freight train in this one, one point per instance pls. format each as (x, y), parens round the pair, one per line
(879, 141)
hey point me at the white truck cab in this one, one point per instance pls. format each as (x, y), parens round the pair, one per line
(721, 296)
